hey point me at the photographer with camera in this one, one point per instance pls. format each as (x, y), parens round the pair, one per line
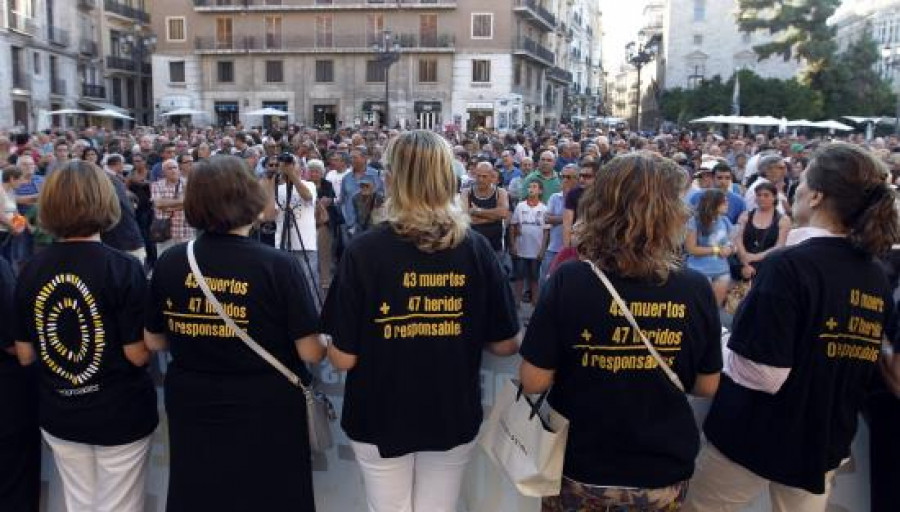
(292, 206)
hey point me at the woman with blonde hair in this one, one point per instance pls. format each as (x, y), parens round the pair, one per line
(414, 301)
(632, 437)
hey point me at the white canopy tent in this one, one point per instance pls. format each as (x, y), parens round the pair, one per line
(268, 111)
(183, 112)
(111, 114)
(67, 112)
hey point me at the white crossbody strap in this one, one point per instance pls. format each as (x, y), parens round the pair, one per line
(627, 312)
(242, 334)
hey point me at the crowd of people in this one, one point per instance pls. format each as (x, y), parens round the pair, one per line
(402, 256)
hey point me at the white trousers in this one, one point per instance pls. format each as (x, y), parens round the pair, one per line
(722, 485)
(416, 482)
(101, 478)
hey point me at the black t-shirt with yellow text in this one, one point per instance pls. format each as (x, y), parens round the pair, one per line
(418, 323)
(629, 426)
(79, 304)
(820, 309)
(262, 289)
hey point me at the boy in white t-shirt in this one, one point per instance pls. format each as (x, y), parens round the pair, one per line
(527, 240)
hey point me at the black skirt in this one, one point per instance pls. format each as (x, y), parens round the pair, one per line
(237, 442)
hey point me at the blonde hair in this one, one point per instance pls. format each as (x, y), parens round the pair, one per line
(422, 187)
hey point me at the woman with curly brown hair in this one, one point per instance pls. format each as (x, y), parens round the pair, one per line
(804, 346)
(414, 303)
(632, 438)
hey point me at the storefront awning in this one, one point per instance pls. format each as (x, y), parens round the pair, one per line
(104, 106)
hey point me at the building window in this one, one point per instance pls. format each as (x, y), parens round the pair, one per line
(528, 76)
(698, 39)
(175, 29)
(129, 93)
(176, 72)
(481, 71)
(374, 28)
(273, 32)
(482, 26)
(324, 71)
(37, 63)
(117, 91)
(375, 72)
(225, 71)
(324, 31)
(699, 10)
(428, 30)
(224, 33)
(274, 71)
(428, 70)
(517, 73)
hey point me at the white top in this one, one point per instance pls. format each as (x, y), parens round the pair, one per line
(531, 228)
(336, 178)
(304, 217)
(8, 205)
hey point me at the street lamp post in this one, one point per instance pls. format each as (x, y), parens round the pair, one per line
(639, 55)
(138, 44)
(892, 61)
(387, 52)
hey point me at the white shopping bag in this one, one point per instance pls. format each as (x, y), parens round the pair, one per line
(526, 439)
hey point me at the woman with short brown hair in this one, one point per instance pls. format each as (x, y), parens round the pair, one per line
(237, 428)
(632, 438)
(79, 305)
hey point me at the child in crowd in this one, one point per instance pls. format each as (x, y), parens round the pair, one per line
(527, 240)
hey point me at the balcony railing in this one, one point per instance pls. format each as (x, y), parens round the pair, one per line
(352, 43)
(127, 64)
(560, 75)
(58, 36)
(20, 23)
(126, 11)
(122, 63)
(535, 50)
(93, 91)
(57, 86)
(232, 5)
(537, 12)
(87, 47)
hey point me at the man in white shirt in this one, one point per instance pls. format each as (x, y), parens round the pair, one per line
(297, 197)
(772, 168)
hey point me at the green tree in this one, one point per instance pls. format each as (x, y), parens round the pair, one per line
(851, 86)
(759, 97)
(801, 30)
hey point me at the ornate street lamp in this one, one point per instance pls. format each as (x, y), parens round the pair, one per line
(387, 52)
(639, 55)
(138, 44)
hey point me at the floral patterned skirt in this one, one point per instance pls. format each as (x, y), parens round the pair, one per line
(578, 497)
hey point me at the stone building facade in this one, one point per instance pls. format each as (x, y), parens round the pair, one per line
(466, 63)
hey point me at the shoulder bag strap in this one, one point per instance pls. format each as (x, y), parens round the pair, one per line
(627, 312)
(254, 346)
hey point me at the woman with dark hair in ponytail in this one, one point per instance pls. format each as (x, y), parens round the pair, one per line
(804, 347)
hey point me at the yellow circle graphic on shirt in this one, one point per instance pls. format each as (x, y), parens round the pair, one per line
(67, 299)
